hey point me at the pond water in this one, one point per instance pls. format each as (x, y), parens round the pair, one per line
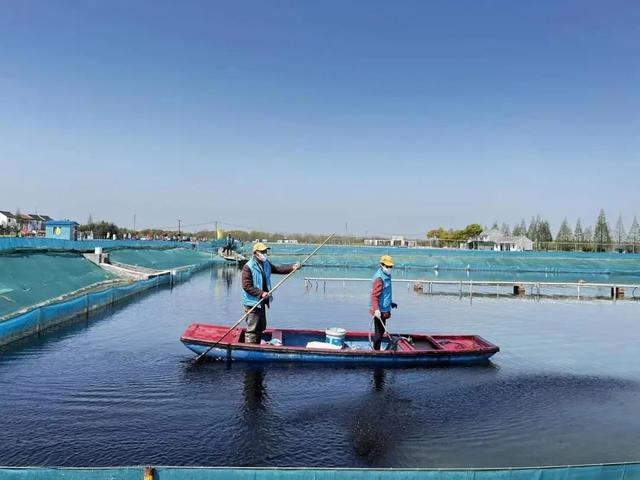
(120, 389)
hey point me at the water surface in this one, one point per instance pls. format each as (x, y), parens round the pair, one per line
(120, 389)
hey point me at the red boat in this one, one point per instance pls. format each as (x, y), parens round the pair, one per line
(289, 345)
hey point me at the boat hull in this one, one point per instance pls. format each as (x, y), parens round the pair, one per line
(238, 354)
(412, 350)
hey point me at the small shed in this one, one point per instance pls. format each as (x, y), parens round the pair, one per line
(62, 229)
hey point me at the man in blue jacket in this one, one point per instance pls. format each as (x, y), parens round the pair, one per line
(381, 299)
(256, 284)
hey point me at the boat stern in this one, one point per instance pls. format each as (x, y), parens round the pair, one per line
(204, 334)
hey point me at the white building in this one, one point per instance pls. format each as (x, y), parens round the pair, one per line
(494, 240)
(8, 219)
(394, 241)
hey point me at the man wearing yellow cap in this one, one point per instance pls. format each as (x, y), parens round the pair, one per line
(381, 299)
(256, 284)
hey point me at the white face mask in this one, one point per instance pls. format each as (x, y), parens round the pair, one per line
(387, 270)
(261, 256)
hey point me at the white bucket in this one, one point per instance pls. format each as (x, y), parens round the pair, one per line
(98, 251)
(335, 336)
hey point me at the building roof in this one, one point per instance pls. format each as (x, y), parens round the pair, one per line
(61, 223)
(7, 214)
(37, 216)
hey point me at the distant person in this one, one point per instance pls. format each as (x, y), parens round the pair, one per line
(381, 299)
(256, 284)
(228, 248)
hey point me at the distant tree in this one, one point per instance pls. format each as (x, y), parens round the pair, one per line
(90, 219)
(544, 232)
(505, 230)
(102, 229)
(520, 229)
(619, 234)
(495, 225)
(578, 234)
(532, 231)
(588, 234)
(587, 243)
(634, 232)
(516, 230)
(472, 230)
(601, 234)
(19, 221)
(452, 236)
(565, 235)
(437, 233)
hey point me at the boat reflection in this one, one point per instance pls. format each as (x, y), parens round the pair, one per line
(227, 274)
(378, 379)
(368, 432)
(254, 391)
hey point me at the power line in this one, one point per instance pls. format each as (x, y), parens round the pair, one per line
(210, 222)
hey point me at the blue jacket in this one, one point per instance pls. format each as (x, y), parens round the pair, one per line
(256, 274)
(385, 297)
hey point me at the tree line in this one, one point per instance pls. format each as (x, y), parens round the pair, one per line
(598, 238)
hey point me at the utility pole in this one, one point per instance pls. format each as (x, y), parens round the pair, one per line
(134, 222)
(179, 221)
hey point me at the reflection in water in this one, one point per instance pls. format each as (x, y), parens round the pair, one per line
(369, 431)
(378, 379)
(222, 281)
(258, 442)
(254, 392)
(227, 274)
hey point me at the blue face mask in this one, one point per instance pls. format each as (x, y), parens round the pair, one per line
(387, 270)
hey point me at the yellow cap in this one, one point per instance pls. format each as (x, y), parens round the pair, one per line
(259, 247)
(386, 260)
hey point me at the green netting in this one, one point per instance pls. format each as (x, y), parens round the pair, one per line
(31, 278)
(164, 259)
(51, 314)
(463, 260)
(20, 244)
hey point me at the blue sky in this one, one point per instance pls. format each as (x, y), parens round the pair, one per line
(304, 115)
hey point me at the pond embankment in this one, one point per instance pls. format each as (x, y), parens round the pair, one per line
(42, 286)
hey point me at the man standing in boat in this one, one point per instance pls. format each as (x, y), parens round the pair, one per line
(256, 284)
(381, 299)
(228, 247)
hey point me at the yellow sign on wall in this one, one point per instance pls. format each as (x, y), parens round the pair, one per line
(57, 231)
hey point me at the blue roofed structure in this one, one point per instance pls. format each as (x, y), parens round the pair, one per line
(62, 229)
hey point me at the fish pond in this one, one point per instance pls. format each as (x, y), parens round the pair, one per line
(118, 388)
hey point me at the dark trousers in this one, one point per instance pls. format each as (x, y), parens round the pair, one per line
(379, 325)
(256, 324)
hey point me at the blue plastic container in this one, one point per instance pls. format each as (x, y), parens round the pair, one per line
(335, 336)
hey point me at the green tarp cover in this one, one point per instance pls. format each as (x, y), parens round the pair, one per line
(31, 278)
(163, 259)
(455, 259)
(12, 244)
